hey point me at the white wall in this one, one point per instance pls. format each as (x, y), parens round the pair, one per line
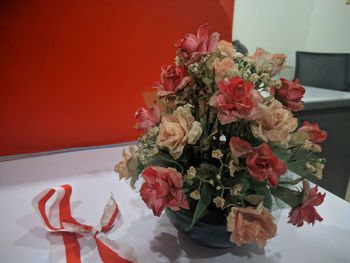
(285, 26)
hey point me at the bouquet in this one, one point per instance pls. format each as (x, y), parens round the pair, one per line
(220, 137)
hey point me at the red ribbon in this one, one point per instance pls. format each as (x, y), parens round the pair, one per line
(59, 219)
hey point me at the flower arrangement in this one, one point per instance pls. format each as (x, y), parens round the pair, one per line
(220, 137)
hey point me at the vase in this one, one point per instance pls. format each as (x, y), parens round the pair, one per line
(209, 231)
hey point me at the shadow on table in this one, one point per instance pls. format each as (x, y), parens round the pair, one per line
(172, 246)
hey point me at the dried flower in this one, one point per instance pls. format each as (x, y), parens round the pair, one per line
(154, 151)
(153, 131)
(195, 195)
(128, 167)
(319, 170)
(310, 167)
(277, 83)
(254, 77)
(217, 154)
(219, 202)
(233, 165)
(265, 78)
(236, 189)
(191, 173)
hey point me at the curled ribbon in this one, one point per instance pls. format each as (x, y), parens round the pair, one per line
(59, 219)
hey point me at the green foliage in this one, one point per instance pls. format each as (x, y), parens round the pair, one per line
(297, 166)
(299, 138)
(202, 205)
(291, 197)
(163, 159)
(264, 189)
(206, 170)
(254, 199)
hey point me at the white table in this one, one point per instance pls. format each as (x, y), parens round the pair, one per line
(24, 239)
(317, 98)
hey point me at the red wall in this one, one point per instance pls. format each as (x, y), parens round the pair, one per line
(72, 73)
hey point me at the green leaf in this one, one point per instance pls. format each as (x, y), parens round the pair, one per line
(206, 170)
(290, 197)
(165, 160)
(262, 189)
(202, 204)
(299, 138)
(254, 199)
(298, 167)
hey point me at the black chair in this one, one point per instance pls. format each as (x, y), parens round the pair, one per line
(323, 70)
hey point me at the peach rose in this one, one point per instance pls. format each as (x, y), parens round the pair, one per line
(127, 167)
(248, 224)
(268, 63)
(177, 130)
(225, 69)
(276, 124)
(226, 48)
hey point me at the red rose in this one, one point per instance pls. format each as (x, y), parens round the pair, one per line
(306, 211)
(173, 79)
(262, 164)
(290, 94)
(162, 188)
(236, 99)
(192, 47)
(318, 135)
(147, 118)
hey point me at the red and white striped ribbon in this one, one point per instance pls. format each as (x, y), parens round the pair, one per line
(66, 245)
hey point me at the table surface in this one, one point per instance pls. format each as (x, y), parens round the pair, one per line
(317, 94)
(90, 172)
(317, 98)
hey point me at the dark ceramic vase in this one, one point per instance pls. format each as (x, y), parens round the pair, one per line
(205, 232)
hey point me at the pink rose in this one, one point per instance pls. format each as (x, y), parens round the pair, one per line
(290, 94)
(275, 125)
(240, 148)
(226, 48)
(173, 79)
(318, 135)
(306, 211)
(147, 118)
(192, 47)
(225, 68)
(268, 63)
(250, 224)
(162, 188)
(236, 99)
(262, 164)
